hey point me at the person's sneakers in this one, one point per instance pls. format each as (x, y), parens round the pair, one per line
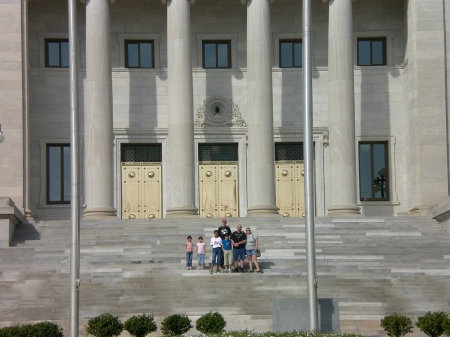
(242, 270)
(236, 270)
(210, 271)
(218, 271)
(260, 271)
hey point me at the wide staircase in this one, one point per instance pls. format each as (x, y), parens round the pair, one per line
(371, 266)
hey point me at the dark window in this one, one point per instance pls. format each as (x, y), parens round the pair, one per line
(216, 54)
(372, 52)
(139, 54)
(288, 151)
(141, 153)
(218, 152)
(57, 53)
(58, 174)
(373, 171)
(291, 54)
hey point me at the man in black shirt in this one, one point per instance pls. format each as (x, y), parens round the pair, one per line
(239, 239)
(223, 230)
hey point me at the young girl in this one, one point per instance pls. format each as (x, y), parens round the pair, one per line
(201, 251)
(216, 245)
(189, 251)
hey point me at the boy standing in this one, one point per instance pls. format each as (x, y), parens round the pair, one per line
(226, 247)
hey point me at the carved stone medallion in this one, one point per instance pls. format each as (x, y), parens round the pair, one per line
(218, 111)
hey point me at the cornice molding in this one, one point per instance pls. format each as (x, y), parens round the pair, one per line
(164, 2)
(110, 1)
(244, 2)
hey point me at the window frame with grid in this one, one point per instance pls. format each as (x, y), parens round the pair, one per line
(59, 177)
(370, 180)
(216, 43)
(293, 63)
(371, 41)
(140, 57)
(63, 53)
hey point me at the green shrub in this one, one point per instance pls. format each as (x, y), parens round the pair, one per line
(46, 329)
(396, 325)
(446, 326)
(11, 331)
(212, 322)
(432, 323)
(105, 325)
(140, 326)
(175, 325)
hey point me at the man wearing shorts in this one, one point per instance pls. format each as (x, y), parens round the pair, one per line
(239, 239)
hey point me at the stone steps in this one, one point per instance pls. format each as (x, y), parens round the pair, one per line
(373, 266)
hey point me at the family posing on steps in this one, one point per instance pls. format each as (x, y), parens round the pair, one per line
(226, 246)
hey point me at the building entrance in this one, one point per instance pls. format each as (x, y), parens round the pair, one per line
(141, 181)
(218, 180)
(290, 182)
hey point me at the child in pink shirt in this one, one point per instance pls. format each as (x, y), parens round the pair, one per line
(201, 251)
(189, 252)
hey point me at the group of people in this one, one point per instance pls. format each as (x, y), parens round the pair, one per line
(227, 247)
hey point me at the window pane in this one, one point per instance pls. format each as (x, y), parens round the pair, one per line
(377, 52)
(379, 165)
(365, 172)
(209, 55)
(298, 54)
(66, 163)
(146, 55)
(222, 57)
(53, 54)
(64, 54)
(133, 55)
(285, 54)
(363, 53)
(54, 173)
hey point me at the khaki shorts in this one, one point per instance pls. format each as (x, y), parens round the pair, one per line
(226, 257)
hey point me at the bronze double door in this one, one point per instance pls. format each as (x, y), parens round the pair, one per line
(290, 186)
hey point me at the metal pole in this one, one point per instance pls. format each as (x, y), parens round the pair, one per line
(74, 160)
(308, 160)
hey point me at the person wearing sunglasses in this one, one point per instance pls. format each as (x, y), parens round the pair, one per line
(250, 247)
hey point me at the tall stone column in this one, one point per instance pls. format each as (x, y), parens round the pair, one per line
(261, 159)
(99, 113)
(341, 105)
(181, 111)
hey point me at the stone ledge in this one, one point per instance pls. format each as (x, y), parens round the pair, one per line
(10, 217)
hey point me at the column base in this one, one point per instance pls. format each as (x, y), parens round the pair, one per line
(99, 212)
(263, 211)
(344, 210)
(182, 212)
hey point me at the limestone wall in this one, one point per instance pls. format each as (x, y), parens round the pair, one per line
(11, 112)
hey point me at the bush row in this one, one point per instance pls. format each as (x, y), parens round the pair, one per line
(41, 329)
(433, 324)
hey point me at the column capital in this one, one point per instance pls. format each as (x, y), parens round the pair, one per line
(110, 1)
(244, 2)
(165, 2)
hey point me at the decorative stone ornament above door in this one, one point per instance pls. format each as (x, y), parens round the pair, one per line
(218, 111)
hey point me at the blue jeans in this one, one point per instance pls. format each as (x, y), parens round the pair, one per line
(216, 255)
(188, 259)
(201, 259)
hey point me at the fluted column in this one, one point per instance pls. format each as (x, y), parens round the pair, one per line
(181, 111)
(99, 112)
(261, 166)
(341, 103)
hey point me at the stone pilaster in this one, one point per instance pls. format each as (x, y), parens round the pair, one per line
(181, 111)
(341, 105)
(99, 112)
(261, 168)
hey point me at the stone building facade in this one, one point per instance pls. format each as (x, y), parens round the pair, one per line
(194, 108)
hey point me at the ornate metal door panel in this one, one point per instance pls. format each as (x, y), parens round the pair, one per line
(290, 188)
(228, 190)
(141, 191)
(218, 190)
(151, 192)
(208, 191)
